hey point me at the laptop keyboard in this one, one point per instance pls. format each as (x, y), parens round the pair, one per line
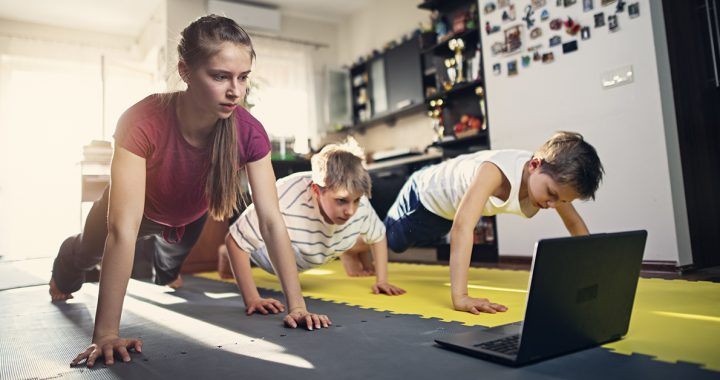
(508, 345)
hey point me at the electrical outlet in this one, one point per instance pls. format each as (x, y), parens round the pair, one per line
(617, 77)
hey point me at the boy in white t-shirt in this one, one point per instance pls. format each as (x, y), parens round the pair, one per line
(327, 214)
(450, 197)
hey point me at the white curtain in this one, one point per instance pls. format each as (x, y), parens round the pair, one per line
(283, 90)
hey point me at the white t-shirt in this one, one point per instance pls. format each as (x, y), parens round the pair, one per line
(315, 242)
(442, 186)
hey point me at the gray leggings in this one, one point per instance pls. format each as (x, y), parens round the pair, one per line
(165, 247)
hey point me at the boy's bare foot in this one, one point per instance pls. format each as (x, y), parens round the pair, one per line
(56, 294)
(354, 265)
(177, 284)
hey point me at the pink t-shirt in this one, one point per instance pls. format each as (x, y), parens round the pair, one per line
(177, 171)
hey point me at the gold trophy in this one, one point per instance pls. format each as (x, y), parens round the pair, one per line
(457, 45)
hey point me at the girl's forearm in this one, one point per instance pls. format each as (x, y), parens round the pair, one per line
(283, 259)
(116, 268)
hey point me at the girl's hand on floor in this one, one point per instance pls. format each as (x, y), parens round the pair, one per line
(299, 316)
(106, 347)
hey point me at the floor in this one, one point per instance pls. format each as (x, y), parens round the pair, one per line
(200, 331)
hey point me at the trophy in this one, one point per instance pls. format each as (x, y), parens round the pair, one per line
(452, 74)
(436, 114)
(457, 45)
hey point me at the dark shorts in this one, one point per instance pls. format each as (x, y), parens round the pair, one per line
(409, 224)
(159, 250)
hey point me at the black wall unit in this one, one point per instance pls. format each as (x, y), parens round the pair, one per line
(453, 77)
(403, 75)
(387, 85)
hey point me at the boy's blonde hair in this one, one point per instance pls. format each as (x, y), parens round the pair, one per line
(569, 159)
(342, 166)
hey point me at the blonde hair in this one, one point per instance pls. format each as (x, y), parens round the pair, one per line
(569, 159)
(342, 166)
(200, 41)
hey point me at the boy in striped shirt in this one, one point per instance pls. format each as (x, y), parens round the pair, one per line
(327, 214)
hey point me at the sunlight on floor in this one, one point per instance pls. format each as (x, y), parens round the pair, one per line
(204, 332)
(697, 317)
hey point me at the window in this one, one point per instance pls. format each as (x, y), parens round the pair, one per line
(282, 91)
(49, 109)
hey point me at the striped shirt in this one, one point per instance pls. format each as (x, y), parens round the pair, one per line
(315, 242)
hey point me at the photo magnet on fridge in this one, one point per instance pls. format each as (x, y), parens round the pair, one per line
(555, 41)
(512, 68)
(613, 23)
(585, 33)
(548, 57)
(634, 10)
(570, 47)
(599, 19)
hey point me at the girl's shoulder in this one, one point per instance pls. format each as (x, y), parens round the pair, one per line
(245, 120)
(152, 106)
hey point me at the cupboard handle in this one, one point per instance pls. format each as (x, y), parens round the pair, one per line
(714, 37)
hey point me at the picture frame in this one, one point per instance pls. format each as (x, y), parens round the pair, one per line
(537, 4)
(599, 19)
(513, 39)
(613, 23)
(512, 68)
(585, 33)
(634, 10)
(587, 5)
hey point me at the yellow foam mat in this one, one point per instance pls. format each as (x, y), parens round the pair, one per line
(672, 320)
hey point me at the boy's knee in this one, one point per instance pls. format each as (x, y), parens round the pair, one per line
(396, 240)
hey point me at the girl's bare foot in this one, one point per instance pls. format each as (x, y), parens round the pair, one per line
(56, 294)
(177, 284)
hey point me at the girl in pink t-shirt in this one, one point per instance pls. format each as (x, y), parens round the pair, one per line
(177, 160)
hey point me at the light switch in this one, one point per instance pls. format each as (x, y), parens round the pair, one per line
(617, 77)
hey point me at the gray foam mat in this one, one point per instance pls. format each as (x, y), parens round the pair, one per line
(22, 273)
(201, 331)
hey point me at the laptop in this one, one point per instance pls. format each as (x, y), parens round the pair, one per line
(581, 295)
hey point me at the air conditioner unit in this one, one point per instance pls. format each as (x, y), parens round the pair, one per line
(250, 16)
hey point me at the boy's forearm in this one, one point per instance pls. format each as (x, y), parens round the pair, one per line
(380, 255)
(117, 265)
(460, 250)
(242, 272)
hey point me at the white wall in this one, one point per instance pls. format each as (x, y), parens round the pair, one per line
(625, 124)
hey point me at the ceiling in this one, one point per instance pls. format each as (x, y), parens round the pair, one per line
(128, 17)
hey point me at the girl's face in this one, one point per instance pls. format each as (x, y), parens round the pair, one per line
(336, 206)
(544, 191)
(218, 85)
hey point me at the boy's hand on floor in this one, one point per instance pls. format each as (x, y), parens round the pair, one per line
(264, 306)
(299, 316)
(477, 305)
(106, 347)
(389, 289)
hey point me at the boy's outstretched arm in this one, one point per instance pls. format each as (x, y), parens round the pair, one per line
(487, 179)
(380, 254)
(240, 264)
(572, 219)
